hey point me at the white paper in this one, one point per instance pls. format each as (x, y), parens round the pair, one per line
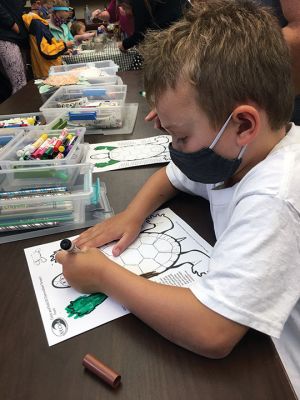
(129, 153)
(167, 251)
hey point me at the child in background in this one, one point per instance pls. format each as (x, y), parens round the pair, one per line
(113, 14)
(35, 6)
(228, 109)
(58, 23)
(42, 7)
(78, 31)
(45, 50)
(45, 10)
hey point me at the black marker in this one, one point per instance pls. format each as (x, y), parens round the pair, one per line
(69, 246)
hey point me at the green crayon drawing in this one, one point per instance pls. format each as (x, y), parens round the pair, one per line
(83, 305)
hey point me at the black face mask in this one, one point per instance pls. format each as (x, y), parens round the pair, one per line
(205, 165)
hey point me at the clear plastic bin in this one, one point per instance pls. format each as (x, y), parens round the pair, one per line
(24, 203)
(129, 114)
(93, 75)
(9, 158)
(99, 73)
(60, 69)
(84, 100)
(14, 129)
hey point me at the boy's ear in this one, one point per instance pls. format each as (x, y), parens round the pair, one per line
(246, 119)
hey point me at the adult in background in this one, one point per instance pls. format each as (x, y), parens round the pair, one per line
(113, 13)
(13, 38)
(149, 14)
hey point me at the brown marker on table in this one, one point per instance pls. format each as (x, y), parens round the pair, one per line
(101, 370)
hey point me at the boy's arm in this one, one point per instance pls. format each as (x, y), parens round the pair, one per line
(156, 191)
(291, 32)
(126, 226)
(172, 311)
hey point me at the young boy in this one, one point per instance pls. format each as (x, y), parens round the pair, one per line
(220, 81)
(42, 7)
(59, 22)
(45, 50)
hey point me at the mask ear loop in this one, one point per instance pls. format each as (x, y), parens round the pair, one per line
(242, 151)
(221, 132)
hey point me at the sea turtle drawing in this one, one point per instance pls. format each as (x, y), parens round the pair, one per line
(156, 251)
(110, 155)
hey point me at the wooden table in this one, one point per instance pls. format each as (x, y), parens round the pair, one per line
(151, 367)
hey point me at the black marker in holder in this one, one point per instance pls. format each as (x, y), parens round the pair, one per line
(68, 245)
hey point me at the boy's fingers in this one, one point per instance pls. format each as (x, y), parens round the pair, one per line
(122, 245)
(60, 256)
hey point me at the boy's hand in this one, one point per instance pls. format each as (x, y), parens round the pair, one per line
(153, 116)
(122, 227)
(82, 270)
(70, 44)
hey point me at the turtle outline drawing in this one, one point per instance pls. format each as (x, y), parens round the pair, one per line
(164, 250)
(110, 155)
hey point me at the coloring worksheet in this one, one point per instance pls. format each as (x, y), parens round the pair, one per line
(129, 153)
(167, 251)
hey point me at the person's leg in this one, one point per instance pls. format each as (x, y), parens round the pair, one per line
(13, 65)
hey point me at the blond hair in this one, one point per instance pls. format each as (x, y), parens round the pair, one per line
(231, 52)
(61, 3)
(76, 26)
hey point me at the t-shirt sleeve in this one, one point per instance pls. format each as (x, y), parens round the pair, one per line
(183, 183)
(254, 271)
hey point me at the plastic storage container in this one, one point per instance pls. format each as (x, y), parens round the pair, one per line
(62, 69)
(17, 126)
(101, 105)
(92, 127)
(99, 73)
(9, 158)
(32, 201)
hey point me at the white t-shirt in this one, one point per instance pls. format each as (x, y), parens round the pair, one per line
(254, 271)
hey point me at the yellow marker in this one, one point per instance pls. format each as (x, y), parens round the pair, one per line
(31, 120)
(68, 139)
(38, 142)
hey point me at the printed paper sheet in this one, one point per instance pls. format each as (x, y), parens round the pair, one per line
(129, 153)
(167, 251)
